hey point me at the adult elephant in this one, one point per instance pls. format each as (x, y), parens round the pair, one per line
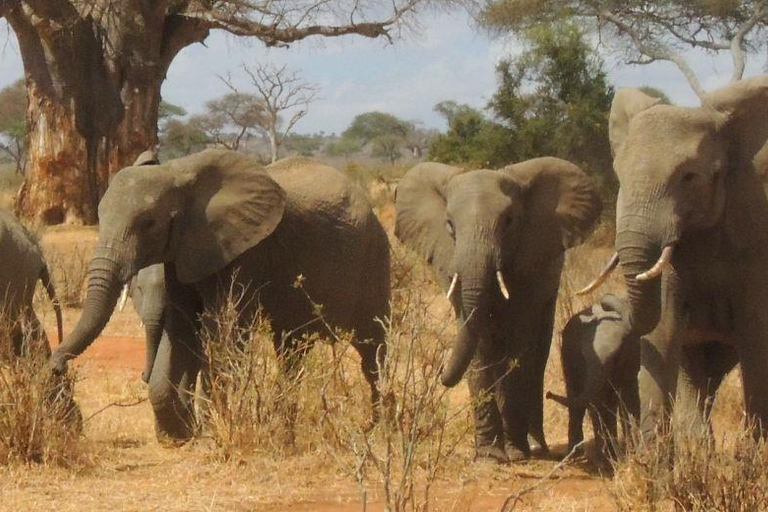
(496, 240)
(692, 238)
(218, 221)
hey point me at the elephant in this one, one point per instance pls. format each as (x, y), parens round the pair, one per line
(23, 266)
(147, 292)
(692, 241)
(217, 220)
(496, 240)
(600, 370)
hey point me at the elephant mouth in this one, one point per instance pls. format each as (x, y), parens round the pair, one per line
(500, 281)
(663, 263)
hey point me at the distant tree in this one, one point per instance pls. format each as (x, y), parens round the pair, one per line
(386, 134)
(471, 139)
(344, 146)
(305, 145)
(643, 32)
(232, 118)
(13, 128)
(181, 138)
(555, 99)
(285, 99)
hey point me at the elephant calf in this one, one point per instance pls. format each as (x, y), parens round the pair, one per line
(600, 368)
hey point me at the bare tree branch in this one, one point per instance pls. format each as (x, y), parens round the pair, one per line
(737, 43)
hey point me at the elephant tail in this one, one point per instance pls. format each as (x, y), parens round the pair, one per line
(45, 278)
(557, 398)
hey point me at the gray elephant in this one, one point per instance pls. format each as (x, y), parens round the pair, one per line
(692, 239)
(147, 292)
(216, 220)
(496, 240)
(600, 368)
(23, 265)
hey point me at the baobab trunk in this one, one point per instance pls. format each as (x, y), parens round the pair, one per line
(68, 167)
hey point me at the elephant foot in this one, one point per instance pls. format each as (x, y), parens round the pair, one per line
(491, 453)
(515, 454)
(538, 450)
(170, 441)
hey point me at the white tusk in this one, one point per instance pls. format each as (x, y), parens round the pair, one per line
(604, 275)
(453, 286)
(502, 286)
(123, 298)
(655, 271)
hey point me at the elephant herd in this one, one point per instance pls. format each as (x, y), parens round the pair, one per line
(691, 242)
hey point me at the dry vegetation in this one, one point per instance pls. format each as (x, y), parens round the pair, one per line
(304, 440)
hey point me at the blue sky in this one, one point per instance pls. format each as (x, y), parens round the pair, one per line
(446, 58)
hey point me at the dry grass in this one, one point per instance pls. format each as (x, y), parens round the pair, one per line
(38, 421)
(420, 458)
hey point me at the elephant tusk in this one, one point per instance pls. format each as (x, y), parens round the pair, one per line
(502, 286)
(453, 286)
(123, 298)
(665, 260)
(603, 277)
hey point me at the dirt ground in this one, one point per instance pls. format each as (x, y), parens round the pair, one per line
(128, 470)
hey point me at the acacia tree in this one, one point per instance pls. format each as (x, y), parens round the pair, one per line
(284, 97)
(94, 69)
(232, 118)
(644, 31)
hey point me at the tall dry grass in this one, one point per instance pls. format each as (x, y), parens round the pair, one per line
(39, 421)
(322, 404)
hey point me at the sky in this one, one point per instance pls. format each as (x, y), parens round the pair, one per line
(447, 58)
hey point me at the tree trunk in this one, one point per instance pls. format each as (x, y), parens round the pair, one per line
(67, 170)
(93, 88)
(273, 145)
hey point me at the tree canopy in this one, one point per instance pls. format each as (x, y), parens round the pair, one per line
(643, 31)
(13, 127)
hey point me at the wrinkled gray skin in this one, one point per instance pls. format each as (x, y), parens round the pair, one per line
(691, 179)
(600, 370)
(23, 265)
(217, 218)
(517, 221)
(147, 292)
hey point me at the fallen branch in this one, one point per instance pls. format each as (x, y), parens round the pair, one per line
(115, 404)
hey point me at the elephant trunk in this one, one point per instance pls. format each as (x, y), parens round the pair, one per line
(104, 285)
(153, 331)
(472, 328)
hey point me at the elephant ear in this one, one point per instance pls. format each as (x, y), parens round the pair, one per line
(627, 103)
(231, 205)
(745, 125)
(420, 205)
(561, 208)
(148, 157)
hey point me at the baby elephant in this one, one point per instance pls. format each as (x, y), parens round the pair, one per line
(600, 371)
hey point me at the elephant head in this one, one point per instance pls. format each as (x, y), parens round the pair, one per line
(196, 213)
(682, 173)
(481, 229)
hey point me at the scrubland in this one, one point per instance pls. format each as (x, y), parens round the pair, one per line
(304, 441)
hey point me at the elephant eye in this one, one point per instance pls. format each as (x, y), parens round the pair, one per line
(449, 227)
(146, 223)
(688, 177)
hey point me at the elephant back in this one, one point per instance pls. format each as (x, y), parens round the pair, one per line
(22, 257)
(313, 187)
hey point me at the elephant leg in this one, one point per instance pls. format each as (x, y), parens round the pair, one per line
(535, 418)
(575, 426)
(373, 353)
(177, 364)
(629, 406)
(290, 354)
(604, 418)
(483, 381)
(660, 362)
